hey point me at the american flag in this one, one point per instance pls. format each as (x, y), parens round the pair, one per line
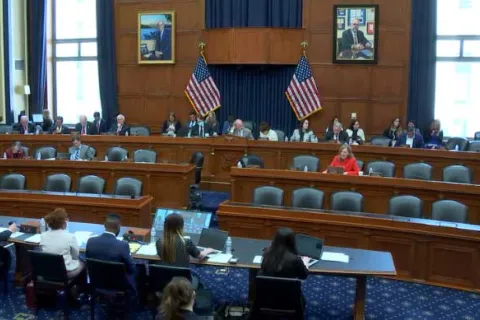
(202, 90)
(302, 91)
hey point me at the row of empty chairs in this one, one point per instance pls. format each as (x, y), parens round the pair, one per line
(92, 184)
(347, 201)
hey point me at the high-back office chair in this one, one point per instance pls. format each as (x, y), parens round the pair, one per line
(45, 153)
(360, 164)
(346, 201)
(381, 141)
(405, 206)
(143, 155)
(457, 174)
(459, 142)
(197, 159)
(91, 184)
(476, 136)
(280, 135)
(117, 154)
(474, 146)
(270, 196)
(128, 187)
(309, 198)
(449, 210)
(310, 162)
(419, 171)
(58, 183)
(387, 169)
(5, 128)
(140, 131)
(252, 160)
(12, 181)
(249, 125)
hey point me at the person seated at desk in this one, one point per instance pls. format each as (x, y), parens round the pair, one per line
(281, 259)
(410, 139)
(356, 136)
(99, 125)
(84, 127)
(58, 240)
(107, 247)
(171, 125)
(178, 299)
(192, 120)
(211, 120)
(346, 160)
(240, 131)
(266, 133)
(5, 235)
(47, 122)
(336, 135)
(15, 151)
(201, 129)
(58, 127)
(304, 133)
(121, 129)
(80, 151)
(394, 131)
(411, 124)
(335, 121)
(26, 127)
(434, 138)
(228, 124)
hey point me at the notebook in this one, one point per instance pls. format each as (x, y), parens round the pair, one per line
(212, 238)
(309, 247)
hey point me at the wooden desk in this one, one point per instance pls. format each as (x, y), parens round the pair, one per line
(376, 191)
(222, 153)
(423, 250)
(82, 207)
(166, 183)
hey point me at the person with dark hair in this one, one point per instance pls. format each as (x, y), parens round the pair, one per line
(80, 151)
(5, 235)
(15, 151)
(335, 121)
(304, 133)
(99, 125)
(47, 122)
(281, 258)
(228, 124)
(59, 127)
(346, 160)
(434, 137)
(171, 125)
(201, 129)
(177, 301)
(58, 240)
(394, 131)
(410, 139)
(266, 133)
(356, 135)
(192, 120)
(411, 124)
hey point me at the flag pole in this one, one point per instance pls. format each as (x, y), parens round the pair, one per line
(201, 46)
(304, 45)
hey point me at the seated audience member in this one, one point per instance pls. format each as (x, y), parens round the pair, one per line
(335, 121)
(171, 125)
(213, 123)
(59, 128)
(281, 258)
(192, 120)
(121, 129)
(337, 135)
(84, 127)
(201, 129)
(15, 151)
(107, 247)
(25, 127)
(356, 136)
(178, 299)
(304, 133)
(80, 151)
(47, 122)
(346, 160)
(240, 131)
(434, 137)
(266, 133)
(58, 240)
(228, 124)
(99, 125)
(410, 139)
(5, 235)
(394, 131)
(411, 124)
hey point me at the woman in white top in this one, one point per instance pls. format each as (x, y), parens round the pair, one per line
(58, 240)
(266, 133)
(356, 135)
(304, 134)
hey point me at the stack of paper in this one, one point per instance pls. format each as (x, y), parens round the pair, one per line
(82, 237)
(257, 259)
(219, 258)
(134, 246)
(34, 239)
(335, 257)
(17, 234)
(148, 250)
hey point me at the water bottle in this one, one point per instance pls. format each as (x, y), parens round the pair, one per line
(4, 155)
(456, 147)
(106, 158)
(370, 171)
(126, 133)
(153, 233)
(286, 139)
(125, 159)
(43, 226)
(228, 246)
(39, 156)
(38, 131)
(305, 169)
(239, 164)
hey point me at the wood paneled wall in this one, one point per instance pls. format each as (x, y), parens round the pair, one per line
(375, 93)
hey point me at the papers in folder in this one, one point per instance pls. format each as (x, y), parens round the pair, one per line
(148, 250)
(219, 258)
(17, 234)
(335, 257)
(34, 239)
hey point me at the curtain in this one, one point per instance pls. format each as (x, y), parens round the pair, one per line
(8, 61)
(253, 13)
(256, 93)
(37, 54)
(421, 107)
(107, 68)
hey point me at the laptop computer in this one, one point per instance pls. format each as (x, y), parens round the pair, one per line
(37, 118)
(309, 247)
(337, 170)
(212, 238)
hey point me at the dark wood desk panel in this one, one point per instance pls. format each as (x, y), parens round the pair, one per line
(377, 191)
(166, 183)
(82, 208)
(423, 250)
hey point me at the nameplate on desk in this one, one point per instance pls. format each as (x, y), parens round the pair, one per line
(335, 257)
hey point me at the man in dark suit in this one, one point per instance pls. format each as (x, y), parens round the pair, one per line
(84, 127)
(410, 139)
(163, 46)
(99, 125)
(336, 135)
(47, 122)
(58, 127)
(353, 38)
(107, 247)
(121, 129)
(201, 128)
(4, 235)
(26, 127)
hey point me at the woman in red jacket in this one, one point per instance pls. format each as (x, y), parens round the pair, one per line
(346, 160)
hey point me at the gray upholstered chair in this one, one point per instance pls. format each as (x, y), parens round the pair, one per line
(387, 169)
(381, 141)
(140, 131)
(449, 210)
(128, 187)
(360, 164)
(58, 183)
(12, 181)
(117, 154)
(45, 153)
(346, 201)
(474, 146)
(419, 171)
(197, 159)
(91, 184)
(309, 198)
(312, 163)
(462, 144)
(249, 125)
(457, 174)
(280, 134)
(252, 160)
(144, 155)
(405, 206)
(6, 128)
(271, 196)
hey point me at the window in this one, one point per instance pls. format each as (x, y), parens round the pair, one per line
(75, 66)
(457, 101)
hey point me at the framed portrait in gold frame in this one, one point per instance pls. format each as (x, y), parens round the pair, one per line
(156, 37)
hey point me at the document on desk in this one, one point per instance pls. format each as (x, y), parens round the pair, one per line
(219, 257)
(335, 257)
(148, 250)
(34, 239)
(82, 237)
(3, 229)
(134, 246)
(17, 234)
(257, 259)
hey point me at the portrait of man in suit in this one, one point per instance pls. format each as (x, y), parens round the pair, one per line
(156, 37)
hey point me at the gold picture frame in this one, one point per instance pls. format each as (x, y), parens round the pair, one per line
(156, 37)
